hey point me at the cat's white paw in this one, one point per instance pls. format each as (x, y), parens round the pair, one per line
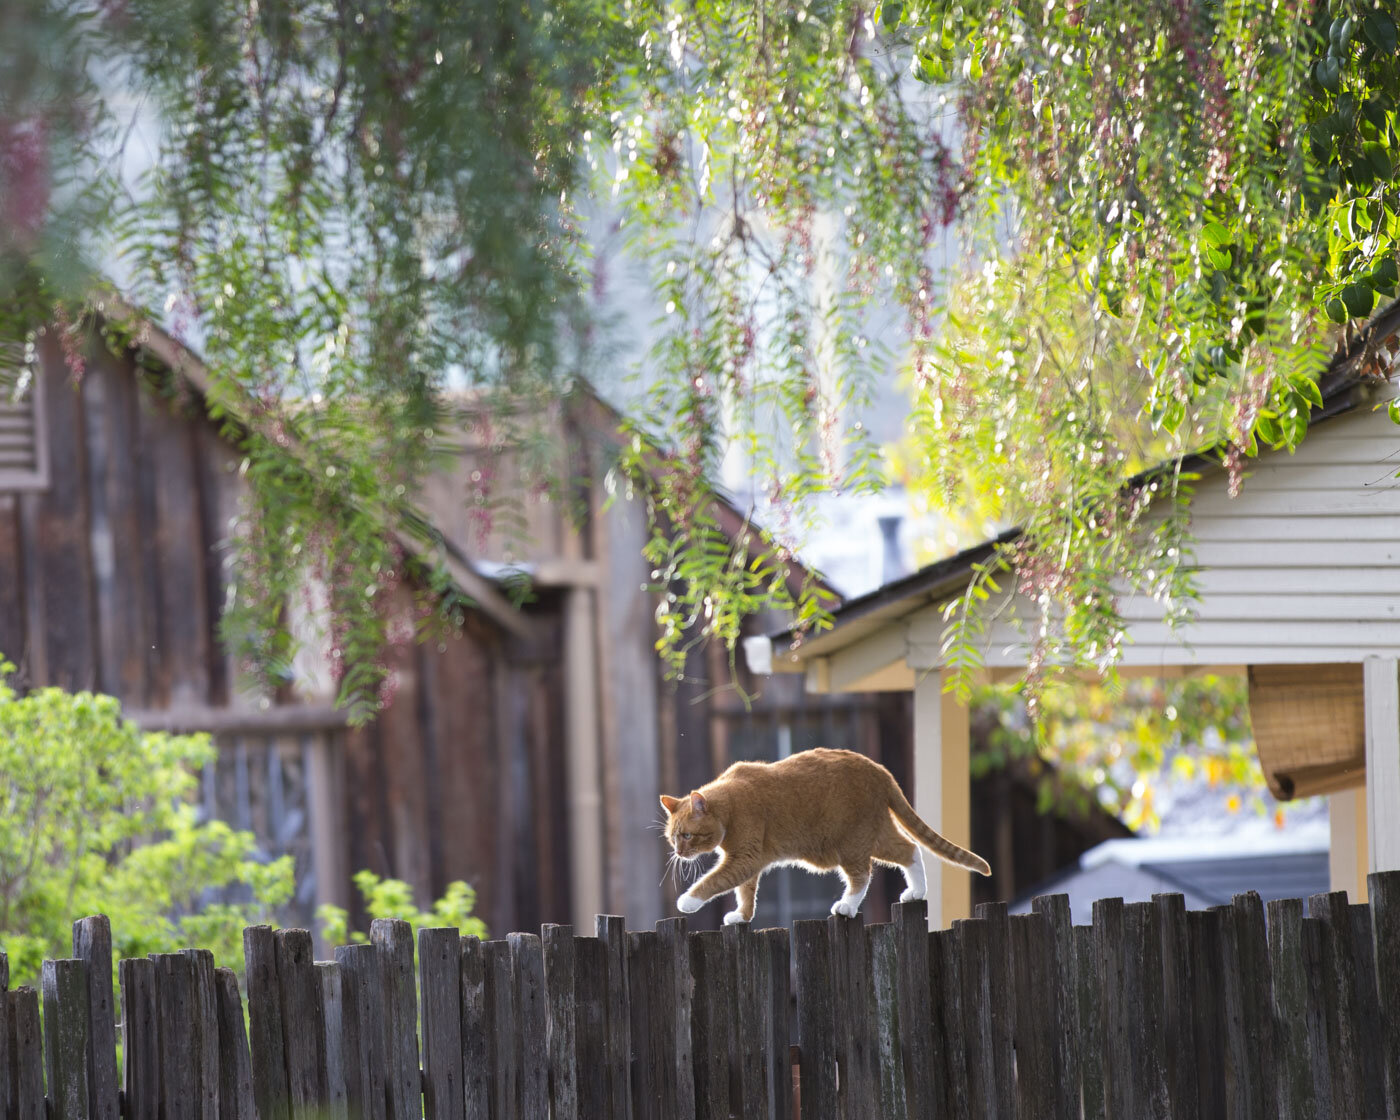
(912, 895)
(734, 918)
(846, 908)
(688, 903)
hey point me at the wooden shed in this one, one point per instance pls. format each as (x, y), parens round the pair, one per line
(1300, 587)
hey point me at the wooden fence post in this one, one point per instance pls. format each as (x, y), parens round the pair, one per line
(1064, 1004)
(1034, 984)
(916, 1013)
(270, 1087)
(179, 1057)
(140, 1038)
(475, 1028)
(440, 979)
(332, 1007)
(204, 1016)
(504, 1030)
(27, 1055)
(1179, 1040)
(747, 1036)
(888, 1024)
(950, 1022)
(303, 1032)
(1339, 988)
(858, 1087)
(393, 941)
(646, 1026)
(1384, 893)
(527, 964)
(774, 945)
(66, 1008)
(1207, 1014)
(363, 1031)
(1142, 995)
(612, 933)
(1001, 1011)
(590, 1024)
(1370, 1025)
(235, 1067)
(559, 986)
(971, 948)
(709, 1026)
(676, 1000)
(1293, 1078)
(92, 942)
(1088, 1001)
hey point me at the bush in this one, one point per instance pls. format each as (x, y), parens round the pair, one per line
(393, 898)
(95, 817)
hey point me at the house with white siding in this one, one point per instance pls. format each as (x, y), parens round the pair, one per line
(1299, 580)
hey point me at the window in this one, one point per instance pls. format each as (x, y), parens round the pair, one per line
(23, 450)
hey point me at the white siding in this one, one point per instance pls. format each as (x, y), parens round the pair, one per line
(1303, 566)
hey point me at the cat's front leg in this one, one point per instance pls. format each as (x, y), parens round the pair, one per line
(723, 877)
(745, 895)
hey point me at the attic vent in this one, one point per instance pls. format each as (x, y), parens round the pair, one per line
(23, 459)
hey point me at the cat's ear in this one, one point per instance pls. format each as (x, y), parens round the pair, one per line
(697, 801)
(670, 803)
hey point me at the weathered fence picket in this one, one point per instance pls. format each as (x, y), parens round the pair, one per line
(1151, 1011)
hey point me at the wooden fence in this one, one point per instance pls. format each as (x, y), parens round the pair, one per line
(1153, 1011)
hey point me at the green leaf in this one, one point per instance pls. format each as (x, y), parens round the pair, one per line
(1336, 310)
(890, 14)
(1307, 388)
(1383, 277)
(1215, 236)
(1379, 157)
(1359, 299)
(1329, 74)
(1379, 27)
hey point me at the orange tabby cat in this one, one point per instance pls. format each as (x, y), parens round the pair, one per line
(824, 810)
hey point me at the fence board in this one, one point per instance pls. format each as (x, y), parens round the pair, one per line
(505, 1030)
(92, 942)
(362, 1031)
(1063, 1004)
(675, 960)
(476, 1030)
(976, 1011)
(140, 1039)
(612, 932)
(235, 1067)
(858, 1085)
(816, 1019)
(1002, 1019)
(1293, 1075)
(1178, 1037)
(26, 1052)
(559, 990)
(916, 1013)
(1207, 1014)
(270, 1089)
(885, 980)
(332, 989)
(1339, 975)
(1114, 1014)
(1369, 1024)
(1243, 1043)
(179, 1070)
(590, 1024)
(1033, 993)
(776, 953)
(747, 1037)
(949, 1022)
(303, 1032)
(204, 1016)
(644, 982)
(1142, 974)
(709, 1025)
(1257, 975)
(66, 1037)
(440, 980)
(1087, 994)
(1315, 971)
(1384, 893)
(393, 941)
(527, 965)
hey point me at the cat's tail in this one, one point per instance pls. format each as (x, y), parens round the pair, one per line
(910, 823)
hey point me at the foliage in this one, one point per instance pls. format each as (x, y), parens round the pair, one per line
(1115, 745)
(1196, 189)
(393, 898)
(97, 819)
(352, 210)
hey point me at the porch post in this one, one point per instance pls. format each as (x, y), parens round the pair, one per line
(942, 791)
(1346, 851)
(1382, 794)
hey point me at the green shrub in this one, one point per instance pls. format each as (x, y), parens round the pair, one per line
(393, 898)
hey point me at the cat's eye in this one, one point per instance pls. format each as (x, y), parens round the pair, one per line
(685, 836)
